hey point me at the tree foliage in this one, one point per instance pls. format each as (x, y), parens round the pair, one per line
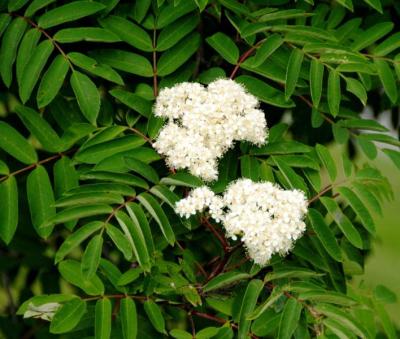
(86, 204)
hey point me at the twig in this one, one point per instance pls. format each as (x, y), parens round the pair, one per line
(115, 210)
(31, 167)
(242, 59)
(136, 131)
(220, 237)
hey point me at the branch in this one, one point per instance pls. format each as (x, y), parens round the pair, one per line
(242, 59)
(219, 236)
(31, 167)
(320, 194)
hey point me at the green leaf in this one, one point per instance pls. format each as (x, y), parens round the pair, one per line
(76, 238)
(266, 324)
(52, 81)
(358, 206)
(235, 6)
(293, 71)
(70, 270)
(368, 148)
(385, 138)
(366, 124)
(175, 57)
(248, 303)
(342, 221)
(125, 61)
(387, 78)
(40, 128)
(33, 68)
(146, 171)
(136, 239)
(91, 257)
(324, 234)
(87, 95)
(225, 279)
(94, 154)
(28, 44)
(292, 178)
(69, 12)
(41, 200)
(344, 318)
(385, 319)
(89, 198)
(316, 81)
(130, 276)
(133, 101)
(249, 167)
(140, 9)
(337, 328)
(16, 5)
(202, 4)
(155, 315)
(103, 188)
(121, 178)
(334, 92)
(5, 19)
(36, 5)
(129, 32)
(140, 221)
(327, 160)
(225, 46)
(9, 209)
(387, 46)
(8, 49)
(182, 179)
(91, 65)
(78, 212)
(290, 318)
(174, 32)
(89, 34)
(121, 241)
(372, 34)
(180, 334)
(393, 155)
(128, 318)
(4, 169)
(155, 210)
(281, 147)
(102, 324)
(170, 13)
(267, 48)
(68, 316)
(65, 176)
(376, 4)
(104, 134)
(340, 134)
(265, 92)
(259, 312)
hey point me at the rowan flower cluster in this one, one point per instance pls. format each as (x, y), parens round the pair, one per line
(203, 123)
(267, 218)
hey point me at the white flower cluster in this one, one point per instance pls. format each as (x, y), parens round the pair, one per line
(268, 218)
(203, 124)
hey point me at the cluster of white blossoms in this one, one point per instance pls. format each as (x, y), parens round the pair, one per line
(267, 218)
(203, 123)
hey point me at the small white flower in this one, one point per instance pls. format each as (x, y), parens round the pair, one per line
(203, 124)
(267, 218)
